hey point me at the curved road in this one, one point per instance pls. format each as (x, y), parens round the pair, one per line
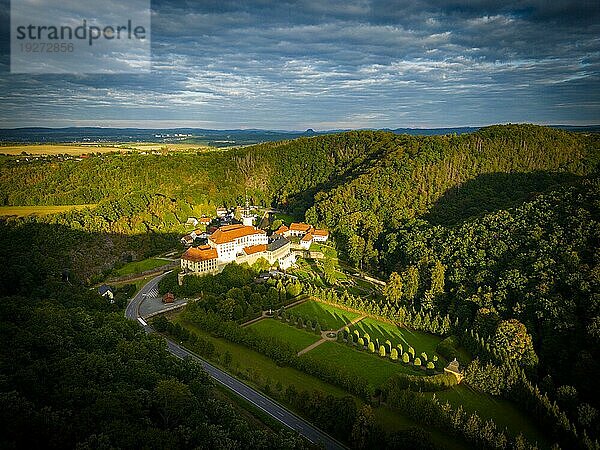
(249, 394)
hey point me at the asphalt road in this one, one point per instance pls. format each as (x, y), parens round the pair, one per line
(258, 399)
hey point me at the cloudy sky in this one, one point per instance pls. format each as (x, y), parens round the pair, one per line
(334, 64)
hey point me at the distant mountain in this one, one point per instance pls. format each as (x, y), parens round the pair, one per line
(216, 138)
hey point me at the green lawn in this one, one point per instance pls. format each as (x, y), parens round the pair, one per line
(139, 266)
(503, 412)
(421, 342)
(297, 338)
(329, 317)
(245, 360)
(360, 364)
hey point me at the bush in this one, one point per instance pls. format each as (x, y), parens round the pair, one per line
(394, 354)
(417, 362)
(388, 346)
(439, 382)
(411, 351)
(160, 323)
(405, 358)
(382, 351)
(448, 348)
(361, 343)
(371, 347)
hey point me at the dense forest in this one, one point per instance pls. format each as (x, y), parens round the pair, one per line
(497, 230)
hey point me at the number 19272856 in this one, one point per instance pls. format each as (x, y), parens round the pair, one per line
(46, 47)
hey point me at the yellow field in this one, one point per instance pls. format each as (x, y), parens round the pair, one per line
(81, 149)
(38, 210)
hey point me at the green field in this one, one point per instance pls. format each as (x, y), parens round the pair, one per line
(39, 210)
(297, 338)
(329, 317)
(504, 413)
(81, 149)
(248, 361)
(360, 364)
(421, 342)
(140, 266)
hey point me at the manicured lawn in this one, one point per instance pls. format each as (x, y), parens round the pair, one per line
(140, 266)
(358, 363)
(246, 361)
(421, 342)
(329, 317)
(297, 338)
(503, 412)
(39, 210)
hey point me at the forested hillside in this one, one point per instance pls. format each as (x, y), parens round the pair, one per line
(498, 229)
(362, 185)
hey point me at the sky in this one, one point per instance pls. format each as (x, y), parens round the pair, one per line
(293, 65)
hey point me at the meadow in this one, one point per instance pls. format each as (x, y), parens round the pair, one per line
(329, 317)
(83, 149)
(297, 338)
(361, 364)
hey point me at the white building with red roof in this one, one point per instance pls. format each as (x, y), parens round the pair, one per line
(306, 240)
(299, 229)
(230, 240)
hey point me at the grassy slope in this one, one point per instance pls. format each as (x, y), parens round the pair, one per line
(421, 342)
(244, 358)
(504, 413)
(358, 363)
(140, 266)
(329, 317)
(297, 338)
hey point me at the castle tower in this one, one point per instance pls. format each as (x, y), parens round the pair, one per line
(247, 218)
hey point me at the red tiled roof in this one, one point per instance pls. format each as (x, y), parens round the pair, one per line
(295, 226)
(230, 232)
(205, 220)
(282, 229)
(255, 249)
(202, 253)
(307, 237)
(320, 232)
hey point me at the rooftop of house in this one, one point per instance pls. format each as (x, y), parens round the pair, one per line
(300, 226)
(229, 233)
(320, 232)
(276, 244)
(255, 249)
(104, 289)
(201, 253)
(282, 229)
(307, 237)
